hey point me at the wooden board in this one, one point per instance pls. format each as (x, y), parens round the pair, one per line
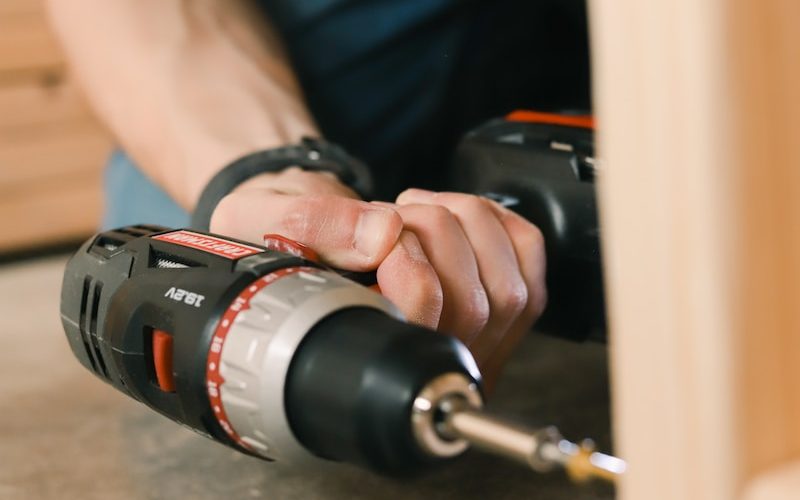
(52, 213)
(51, 148)
(764, 78)
(26, 44)
(50, 151)
(700, 203)
(50, 99)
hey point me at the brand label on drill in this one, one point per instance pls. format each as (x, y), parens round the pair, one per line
(211, 244)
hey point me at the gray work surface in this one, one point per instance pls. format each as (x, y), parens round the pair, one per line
(66, 435)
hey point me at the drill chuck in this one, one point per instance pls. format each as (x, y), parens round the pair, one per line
(255, 342)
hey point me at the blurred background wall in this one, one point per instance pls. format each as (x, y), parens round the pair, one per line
(51, 149)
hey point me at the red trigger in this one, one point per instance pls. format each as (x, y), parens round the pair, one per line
(280, 243)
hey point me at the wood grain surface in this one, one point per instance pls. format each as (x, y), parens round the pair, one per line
(698, 125)
(51, 148)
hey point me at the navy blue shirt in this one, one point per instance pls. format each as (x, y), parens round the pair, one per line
(398, 81)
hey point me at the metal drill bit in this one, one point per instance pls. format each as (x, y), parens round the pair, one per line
(540, 449)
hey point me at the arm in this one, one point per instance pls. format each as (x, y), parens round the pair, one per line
(185, 86)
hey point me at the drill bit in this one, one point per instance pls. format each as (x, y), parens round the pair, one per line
(540, 449)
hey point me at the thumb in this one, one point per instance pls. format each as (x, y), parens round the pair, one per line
(346, 233)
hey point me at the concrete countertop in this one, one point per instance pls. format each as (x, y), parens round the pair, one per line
(66, 435)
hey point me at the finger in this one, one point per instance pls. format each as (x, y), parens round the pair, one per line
(465, 308)
(346, 233)
(497, 263)
(408, 279)
(528, 245)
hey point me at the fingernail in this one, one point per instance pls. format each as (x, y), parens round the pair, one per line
(371, 230)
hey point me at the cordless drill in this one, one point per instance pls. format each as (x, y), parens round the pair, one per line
(269, 352)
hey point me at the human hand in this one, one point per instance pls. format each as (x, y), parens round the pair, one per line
(312, 208)
(490, 269)
(451, 262)
(315, 209)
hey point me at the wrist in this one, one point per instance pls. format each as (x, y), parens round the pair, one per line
(201, 164)
(313, 159)
(200, 171)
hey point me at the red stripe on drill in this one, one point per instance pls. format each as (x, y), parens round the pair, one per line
(209, 244)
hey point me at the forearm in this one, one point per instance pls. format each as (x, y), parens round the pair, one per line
(185, 86)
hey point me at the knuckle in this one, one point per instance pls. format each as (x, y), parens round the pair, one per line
(405, 193)
(302, 221)
(440, 216)
(528, 235)
(476, 312)
(536, 236)
(512, 299)
(466, 204)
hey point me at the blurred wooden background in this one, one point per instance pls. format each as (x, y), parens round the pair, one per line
(51, 149)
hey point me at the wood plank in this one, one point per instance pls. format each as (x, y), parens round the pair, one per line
(700, 205)
(28, 157)
(764, 125)
(26, 43)
(8, 7)
(664, 242)
(63, 211)
(51, 149)
(50, 99)
(780, 483)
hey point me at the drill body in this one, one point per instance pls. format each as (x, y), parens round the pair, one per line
(261, 350)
